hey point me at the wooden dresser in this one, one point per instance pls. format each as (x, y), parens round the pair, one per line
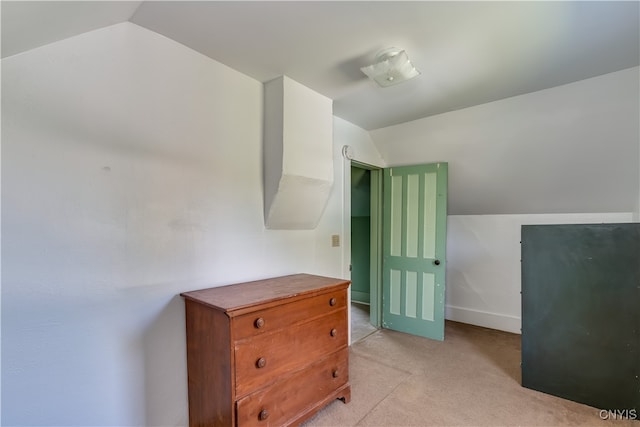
(266, 353)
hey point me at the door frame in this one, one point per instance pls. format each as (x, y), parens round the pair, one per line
(376, 237)
(375, 261)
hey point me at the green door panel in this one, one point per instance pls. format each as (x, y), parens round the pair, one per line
(414, 249)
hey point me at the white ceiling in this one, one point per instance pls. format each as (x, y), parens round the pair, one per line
(469, 53)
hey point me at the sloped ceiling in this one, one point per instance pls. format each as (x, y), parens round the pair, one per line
(569, 149)
(469, 53)
(30, 24)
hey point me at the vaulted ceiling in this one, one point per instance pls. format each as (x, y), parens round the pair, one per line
(469, 53)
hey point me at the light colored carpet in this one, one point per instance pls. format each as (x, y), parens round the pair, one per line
(361, 326)
(470, 379)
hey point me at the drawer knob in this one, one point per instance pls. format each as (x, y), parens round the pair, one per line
(335, 373)
(261, 363)
(332, 302)
(259, 323)
(263, 415)
(334, 332)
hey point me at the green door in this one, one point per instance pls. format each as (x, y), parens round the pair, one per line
(414, 240)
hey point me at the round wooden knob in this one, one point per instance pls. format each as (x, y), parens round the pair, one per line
(263, 415)
(334, 332)
(335, 373)
(332, 302)
(261, 363)
(259, 323)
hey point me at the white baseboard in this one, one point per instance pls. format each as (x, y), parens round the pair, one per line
(485, 319)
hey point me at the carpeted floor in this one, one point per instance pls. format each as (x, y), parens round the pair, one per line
(470, 379)
(360, 324)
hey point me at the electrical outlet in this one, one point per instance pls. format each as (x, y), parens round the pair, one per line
(335, 240)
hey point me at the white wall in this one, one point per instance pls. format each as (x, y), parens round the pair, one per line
(298, 157)
(573, 148)
(483, 264)
(336, 216)
(132, 171)
(363, 148)
(363, 151)
(530, 159)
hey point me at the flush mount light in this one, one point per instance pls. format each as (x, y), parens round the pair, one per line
(392, 66)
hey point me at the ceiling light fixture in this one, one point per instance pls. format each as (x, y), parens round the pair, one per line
(392, 66)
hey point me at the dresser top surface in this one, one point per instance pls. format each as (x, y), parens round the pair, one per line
(243, 295)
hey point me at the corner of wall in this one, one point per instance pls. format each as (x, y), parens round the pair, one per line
(298, 130)
(500, 322)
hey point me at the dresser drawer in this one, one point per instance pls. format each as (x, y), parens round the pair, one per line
(275, 405)
(293, 341)
(285, 315)
(266, 357)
